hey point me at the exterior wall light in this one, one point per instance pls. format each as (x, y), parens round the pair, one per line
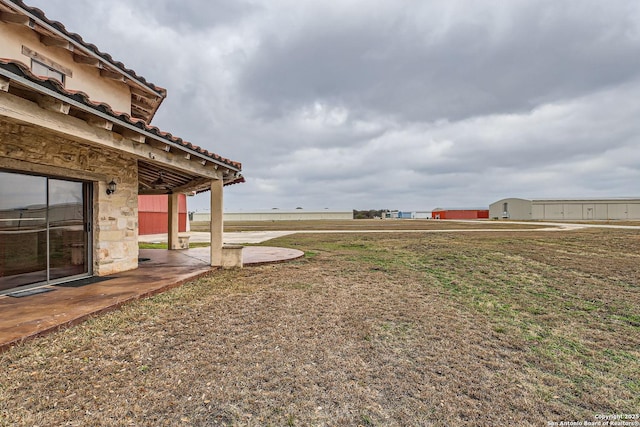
(111, 187)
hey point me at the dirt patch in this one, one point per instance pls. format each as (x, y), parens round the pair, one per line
(474, 329)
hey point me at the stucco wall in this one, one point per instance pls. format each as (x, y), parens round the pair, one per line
(115, 217)
(85, 78)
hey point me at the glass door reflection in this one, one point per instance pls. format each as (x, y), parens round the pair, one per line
(67, 237)
(44, 229)
(23, 230)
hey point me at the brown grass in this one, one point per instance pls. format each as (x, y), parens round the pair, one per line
(361, 224)
(402, 329)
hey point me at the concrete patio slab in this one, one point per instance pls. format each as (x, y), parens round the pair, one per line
(239, 237)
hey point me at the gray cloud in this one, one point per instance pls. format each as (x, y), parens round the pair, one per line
(394, 104)
(408, 64)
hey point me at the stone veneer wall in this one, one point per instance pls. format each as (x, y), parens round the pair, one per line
(115, 217)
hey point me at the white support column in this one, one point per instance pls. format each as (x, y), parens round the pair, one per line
(216, 222)
(173, 241)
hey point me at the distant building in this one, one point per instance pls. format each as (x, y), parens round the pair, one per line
(422, 214)
(278, 215)
(566, 209)
(153, 214)
(460, 213)
(391, 214)
(395, 214)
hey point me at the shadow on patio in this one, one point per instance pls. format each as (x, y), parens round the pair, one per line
(61, 306)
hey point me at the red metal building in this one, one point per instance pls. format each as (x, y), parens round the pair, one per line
(460, 213)
(153, 214)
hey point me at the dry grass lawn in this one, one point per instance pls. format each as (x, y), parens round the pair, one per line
(362, 224)
(469, 329)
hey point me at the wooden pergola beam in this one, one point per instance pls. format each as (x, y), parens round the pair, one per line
(193, 185)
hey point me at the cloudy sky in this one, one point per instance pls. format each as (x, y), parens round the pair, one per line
(396, 104)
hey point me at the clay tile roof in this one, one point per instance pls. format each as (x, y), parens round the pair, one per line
(22, 70)
(91, 47)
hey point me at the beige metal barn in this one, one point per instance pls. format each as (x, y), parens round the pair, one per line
(566, 209)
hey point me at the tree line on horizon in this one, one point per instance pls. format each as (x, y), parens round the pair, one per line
(368, 214)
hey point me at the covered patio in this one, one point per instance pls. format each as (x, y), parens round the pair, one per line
(77, 149)
(70, 303)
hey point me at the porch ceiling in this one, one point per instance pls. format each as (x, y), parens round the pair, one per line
(158, 179)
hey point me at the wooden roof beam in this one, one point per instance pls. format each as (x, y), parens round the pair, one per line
(143, 94)
(14, 18)
(134, 136)
(99, 122)
(81, 59)
(111, 75)
(4, 83)
(141, 99)
(193, 185)
(52, 104)
(141, 105)
(55, 41)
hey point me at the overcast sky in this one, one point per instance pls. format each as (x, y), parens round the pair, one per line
(395, 104)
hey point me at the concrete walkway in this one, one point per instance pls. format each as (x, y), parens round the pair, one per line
(247, 237)
(251, 255)
(236, 238)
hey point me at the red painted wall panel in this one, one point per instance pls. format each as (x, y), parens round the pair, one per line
(160, 203)
(158, 223)
(153, 217)
(461, 214)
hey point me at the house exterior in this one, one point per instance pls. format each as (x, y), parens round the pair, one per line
(566, 209)
(77, 149)
(460, 213)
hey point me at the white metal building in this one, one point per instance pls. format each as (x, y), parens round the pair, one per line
(278, 215)
(566, 209)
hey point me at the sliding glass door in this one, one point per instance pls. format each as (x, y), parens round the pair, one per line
(44, 229)
(67, 237)
(23, 230)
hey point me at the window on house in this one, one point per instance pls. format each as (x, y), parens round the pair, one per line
(40, 69)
